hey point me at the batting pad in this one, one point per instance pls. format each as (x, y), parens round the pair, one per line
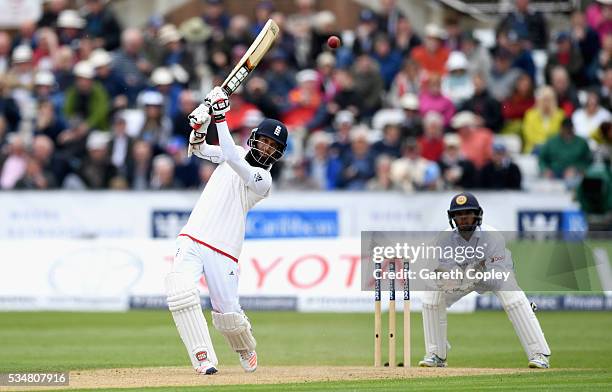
(435, 323)
(525, 322)
(184, 303)
(236, 329)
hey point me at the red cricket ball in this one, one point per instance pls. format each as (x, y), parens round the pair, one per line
(333, 42)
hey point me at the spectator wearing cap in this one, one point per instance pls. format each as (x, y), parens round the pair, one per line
(527, 22)
(484, 105)
(21, 73)
(368, 85)
(13, 166)
(156, 126)
(390, 144)
(567, 55)
(215, 16)
(324, 167)
(520, 48)
(565, 155)
(101, 25)
(476, 141)
(588, 43)
(280, 78)
(382, 179)
(358, 163)
(543, 120)
(45, 89)
(365, 32)
(457, 83)
(96, 170)
(479, 57)
(131, 63)
(500, 172)
(325, 25)
(502, 77)
(412, 126)
(163, 81)
(413, 172)
(343, 123)
(163, 174)
(515, 107)
(404, 37)
(407, 81)
(175, 55)
(431, 143)
(87, 99)
(51, 11)
(432, 54)
(567, 97)
(431, 99)
(388, 58)
(70, 28)
(456, 171)
(111, 80)
(304, 100)
(587, 120)
(139, 165)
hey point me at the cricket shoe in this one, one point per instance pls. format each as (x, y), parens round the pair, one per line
(206, 368)
(539, 361)
(248, 360)
(432, 361)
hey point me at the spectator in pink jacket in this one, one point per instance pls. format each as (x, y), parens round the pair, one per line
(431, 99)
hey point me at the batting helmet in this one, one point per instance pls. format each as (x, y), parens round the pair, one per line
(274, 130)
(465, 201)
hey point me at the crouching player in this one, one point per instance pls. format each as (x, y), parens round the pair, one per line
(465, 218)
(211, 241)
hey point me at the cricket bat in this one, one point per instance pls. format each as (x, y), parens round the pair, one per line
(253, 56)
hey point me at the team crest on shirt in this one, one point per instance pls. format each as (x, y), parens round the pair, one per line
(461, 200)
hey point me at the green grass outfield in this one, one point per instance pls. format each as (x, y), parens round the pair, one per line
(70, 341)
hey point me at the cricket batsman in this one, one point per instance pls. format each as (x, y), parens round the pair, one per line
(465, 218)
(211, 241)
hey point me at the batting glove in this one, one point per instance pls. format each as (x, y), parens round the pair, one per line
(199, 120)
(219, 103)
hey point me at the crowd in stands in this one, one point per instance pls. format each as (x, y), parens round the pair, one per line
(87, 104)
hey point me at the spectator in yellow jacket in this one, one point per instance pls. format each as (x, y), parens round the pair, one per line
(543, 120)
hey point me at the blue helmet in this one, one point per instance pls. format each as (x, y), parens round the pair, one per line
(274, 130)
(465, 201)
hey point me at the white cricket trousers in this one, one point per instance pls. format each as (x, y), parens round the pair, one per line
(220, 272)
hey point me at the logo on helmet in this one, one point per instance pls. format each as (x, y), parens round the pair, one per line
(277, 130)
(461, 200)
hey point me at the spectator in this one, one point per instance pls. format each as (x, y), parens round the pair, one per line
(515, 107)
(457, 83)
(14, 165)
(256, 93)
(130, 62)
(215, 16)
(9, 109)
(500, 172)
(412, 126)
(46, 50)
(432, 54)
(431, 144)
(162, 176)
(302, 32)
(298, 179)
(587, 120)
(71, 142)
(39, 171)
(456, 171)
(87, 98)
(26, 35)
(175, 55)
(391, 143)
(51, 12)
(325, 25)
(476, 141)
(605, 91)
(405, 39)
(603, 137)
(34, 177)
(139, 165)
(567, 98)
(407, 81)
(358, 164)
(101, 25)
(431, 99)
(180, 121)
(389, 60)
(520, 49)
(45, 90)
(48, 122)
(543, 120)
(163, 80)
(343, 124)
(589, 45)
(263, 12)
(21, 76)
(280, 78)
(479, 58)
(605, 53)
(97, 171)
(365, 33)
(323, 167)
(382, 180)
(502, 78)
(157, 127)
(413, 172)
(567, 55)
(5, 52)
(390, 17)
(237, 33)
(305, 99)
(565, 155)
(453, 33)
(109, 78)
(63, 68)
(70, 28)
(526, 22)
(326, 63)
(240, 109)
(120, 145)
(369, 87)
(185, 169)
